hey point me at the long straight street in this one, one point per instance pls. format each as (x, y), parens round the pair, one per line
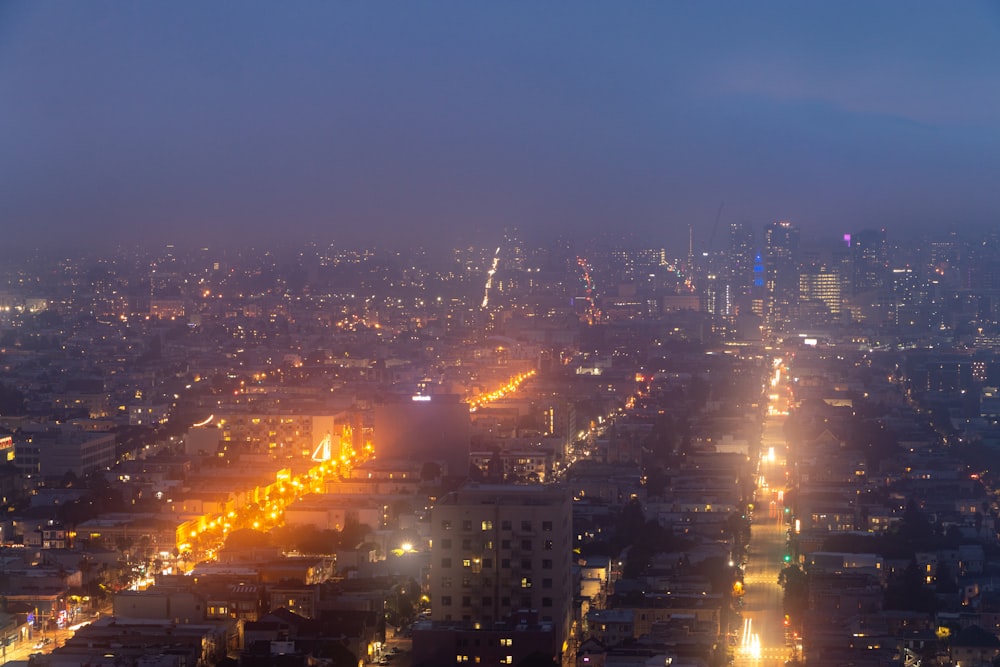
(762, 636)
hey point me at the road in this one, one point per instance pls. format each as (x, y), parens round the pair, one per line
(762, 638)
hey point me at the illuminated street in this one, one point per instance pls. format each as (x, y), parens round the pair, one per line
(762, 637)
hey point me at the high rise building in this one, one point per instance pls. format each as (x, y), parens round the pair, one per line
(903, 297)
(869, 256)
(819, 294)
(741, 257)
(781, 276)
(499, 552)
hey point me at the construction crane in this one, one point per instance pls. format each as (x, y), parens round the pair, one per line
(715, 226)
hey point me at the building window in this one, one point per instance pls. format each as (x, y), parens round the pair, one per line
(505, 544)
(446, 544)
(466, 525)
(446, 600)
(546, 583)
(466, 544)
(525, 582)
(548, 545)
(466, 601)
(526, 525)
(505, 563)
(506, 642)
(505, 525)
(466, 562)
(546, 564)
(487, 525)
(488, 562)
(487, 600)
(526, 545)
(446, 525)
(525, 563)
(446, 563)
(504, 602)
(546, 602)
(445, 582)
(546, 525)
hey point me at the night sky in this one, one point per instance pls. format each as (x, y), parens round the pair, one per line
(436, 123)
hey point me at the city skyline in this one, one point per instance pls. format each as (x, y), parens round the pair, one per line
(371, 124)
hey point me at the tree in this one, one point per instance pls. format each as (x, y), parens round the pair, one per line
(11, 400)
(944, 580)
(245, 538)
(908, 591)
(538, 659)
(915, 530)
(430, 471)
(631, 523)
(338, 654)
(796, 585)
(353, 533)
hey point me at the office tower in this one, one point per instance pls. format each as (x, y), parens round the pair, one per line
(515, 254)
(903, 297)
(501, 554)
(741, 257)
(631, 264)
(869, 254)
(819, 294)
(781, 276)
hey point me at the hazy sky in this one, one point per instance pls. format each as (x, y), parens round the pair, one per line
(417, 121)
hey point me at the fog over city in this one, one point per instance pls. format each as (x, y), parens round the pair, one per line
(612, 335)
(367, 123)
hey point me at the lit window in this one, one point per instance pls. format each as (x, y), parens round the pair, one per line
(487, 525)
(525, 582)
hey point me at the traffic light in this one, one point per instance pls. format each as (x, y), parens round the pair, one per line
(788, 558)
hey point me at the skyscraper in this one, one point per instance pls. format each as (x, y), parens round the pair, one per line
(741, 257)
(869, 256)
(819, 294)
(781, 276)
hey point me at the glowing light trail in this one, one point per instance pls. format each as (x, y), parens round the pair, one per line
(489, 278)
